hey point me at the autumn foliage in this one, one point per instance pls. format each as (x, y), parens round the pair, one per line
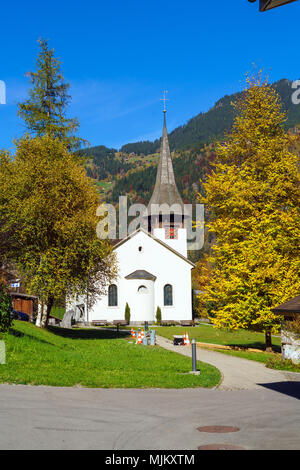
(252, 197)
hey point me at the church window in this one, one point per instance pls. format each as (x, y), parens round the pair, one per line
(112, 296)
(142, 289)
(168, 295)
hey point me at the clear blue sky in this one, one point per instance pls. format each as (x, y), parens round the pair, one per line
(118, 57)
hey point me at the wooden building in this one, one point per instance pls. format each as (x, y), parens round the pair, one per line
(26, 304)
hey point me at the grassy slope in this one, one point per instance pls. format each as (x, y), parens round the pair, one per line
(94, 358)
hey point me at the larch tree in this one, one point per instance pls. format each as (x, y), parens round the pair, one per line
(253, 199)
(51, 209)
(44, 112)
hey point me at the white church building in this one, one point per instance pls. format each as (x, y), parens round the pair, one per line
(153, 268)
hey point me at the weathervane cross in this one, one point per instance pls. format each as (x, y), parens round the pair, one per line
(164, 99)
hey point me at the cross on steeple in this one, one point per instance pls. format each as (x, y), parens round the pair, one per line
(164, 99)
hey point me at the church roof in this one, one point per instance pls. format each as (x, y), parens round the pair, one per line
(165, 190)
(124, 240)
(141, 274)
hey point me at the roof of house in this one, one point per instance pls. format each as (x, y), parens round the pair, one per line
(291, 306)
(141, 274)
(124, 240)
(23, 296)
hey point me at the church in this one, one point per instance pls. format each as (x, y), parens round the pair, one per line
(153, 268)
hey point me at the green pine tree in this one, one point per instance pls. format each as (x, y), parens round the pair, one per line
(44, 112)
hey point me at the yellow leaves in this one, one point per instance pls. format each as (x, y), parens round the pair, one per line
(52, 209)
(253, 198)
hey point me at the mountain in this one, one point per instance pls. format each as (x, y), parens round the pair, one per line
(212, 125)
(132, 170)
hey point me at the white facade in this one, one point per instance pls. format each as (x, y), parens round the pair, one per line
(143, 252)
(153, 269)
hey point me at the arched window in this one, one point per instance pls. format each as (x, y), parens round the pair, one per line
(168, 295)
(142, 290)
(112, 296)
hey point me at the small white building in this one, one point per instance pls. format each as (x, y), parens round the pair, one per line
(153, 268)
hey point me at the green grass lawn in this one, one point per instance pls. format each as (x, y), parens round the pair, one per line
(58, 312)
(209, 334)
(94, 358)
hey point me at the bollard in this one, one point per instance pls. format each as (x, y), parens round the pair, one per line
(152, 337)
(194, 355)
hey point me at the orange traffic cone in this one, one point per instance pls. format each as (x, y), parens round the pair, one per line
(139, 339)
(187, 339)
(133, 335)
(143, 334)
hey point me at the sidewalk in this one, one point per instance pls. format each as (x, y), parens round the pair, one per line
(237, 373)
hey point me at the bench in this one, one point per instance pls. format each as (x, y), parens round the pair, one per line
(99, 323)
(120, 322)
(187, 323)
(169, 323)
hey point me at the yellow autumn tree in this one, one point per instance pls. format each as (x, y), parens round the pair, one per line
(253, 200)
(48, 210)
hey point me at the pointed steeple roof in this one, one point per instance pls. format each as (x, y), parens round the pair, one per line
(165, 190)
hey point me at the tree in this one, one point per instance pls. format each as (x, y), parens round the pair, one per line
(253, 199)
(44, 112)
(52, 210)
(5, 307)
(6, 233)
(127, 313)
(158, 315)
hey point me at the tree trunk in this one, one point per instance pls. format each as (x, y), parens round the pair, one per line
(40, 314)
(269, 341)
(46, 314)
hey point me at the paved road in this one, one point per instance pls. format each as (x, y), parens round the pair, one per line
(77, 418)
(262, 403)
(237, 373)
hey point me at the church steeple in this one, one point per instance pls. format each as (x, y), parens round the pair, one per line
(165, 212)
(165, 190)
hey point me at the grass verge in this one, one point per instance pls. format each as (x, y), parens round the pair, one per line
(94, 358)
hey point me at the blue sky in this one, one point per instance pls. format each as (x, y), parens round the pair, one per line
(119, 56)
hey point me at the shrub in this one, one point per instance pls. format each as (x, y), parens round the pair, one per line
(292, 326)
(127, 313)
(5, 308)
(158, 315)
(282, 364)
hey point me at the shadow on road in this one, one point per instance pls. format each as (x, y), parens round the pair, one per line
(288, 388)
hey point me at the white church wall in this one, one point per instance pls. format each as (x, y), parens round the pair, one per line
(141, 252)
(179, 244)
